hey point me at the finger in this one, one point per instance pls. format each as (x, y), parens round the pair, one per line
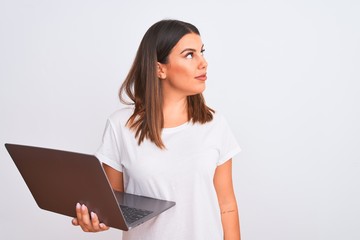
(88, 222)
(79, 217)
(78, 212)
(103, 227)
(85, 219)
(95, 222)
(75, 222)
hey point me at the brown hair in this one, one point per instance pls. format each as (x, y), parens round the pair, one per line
(143, 87)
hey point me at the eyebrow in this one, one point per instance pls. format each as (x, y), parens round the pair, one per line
(191, 49)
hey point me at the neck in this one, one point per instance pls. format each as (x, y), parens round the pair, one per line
(175, 111)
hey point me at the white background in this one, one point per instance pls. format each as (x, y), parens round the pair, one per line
(284, 73)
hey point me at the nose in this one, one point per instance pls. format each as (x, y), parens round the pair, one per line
(203, 63)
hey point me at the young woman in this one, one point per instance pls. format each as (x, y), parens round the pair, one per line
(168, 144)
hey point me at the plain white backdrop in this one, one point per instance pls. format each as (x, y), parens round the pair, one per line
(284, 73)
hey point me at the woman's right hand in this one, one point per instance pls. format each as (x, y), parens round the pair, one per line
(89, 222)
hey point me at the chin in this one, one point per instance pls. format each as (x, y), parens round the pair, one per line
(199, 91)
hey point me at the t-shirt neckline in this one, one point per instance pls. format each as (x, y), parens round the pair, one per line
(176, 129)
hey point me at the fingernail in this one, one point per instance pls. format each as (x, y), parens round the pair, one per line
(101, 225)
(92, 214)
(78, 205)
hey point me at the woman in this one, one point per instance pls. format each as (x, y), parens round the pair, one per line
(169, 144)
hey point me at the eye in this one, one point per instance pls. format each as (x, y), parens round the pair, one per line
(202, 52)
(190, 55)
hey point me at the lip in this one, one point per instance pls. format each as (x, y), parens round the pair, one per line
(202, 77)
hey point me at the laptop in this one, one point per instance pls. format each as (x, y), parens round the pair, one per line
(59, 179)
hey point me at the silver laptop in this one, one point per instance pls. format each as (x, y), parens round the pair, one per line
(59, 179)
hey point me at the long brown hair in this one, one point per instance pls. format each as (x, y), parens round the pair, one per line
(143, 87)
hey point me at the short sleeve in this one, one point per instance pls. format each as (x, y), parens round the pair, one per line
(229, 147)
(109, 151)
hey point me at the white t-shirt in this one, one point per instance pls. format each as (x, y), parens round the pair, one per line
(183, 172)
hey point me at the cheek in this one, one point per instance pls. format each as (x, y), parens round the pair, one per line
(181, 72)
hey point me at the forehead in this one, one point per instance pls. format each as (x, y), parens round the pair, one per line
(190, 40)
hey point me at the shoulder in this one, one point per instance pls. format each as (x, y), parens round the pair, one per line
(119, 118)
(218, 116)
(121, 114)
(218, 119)
(219, 125)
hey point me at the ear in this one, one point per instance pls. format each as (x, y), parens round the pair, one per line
(161, 70)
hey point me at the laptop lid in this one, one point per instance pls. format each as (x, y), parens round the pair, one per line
(59, 179)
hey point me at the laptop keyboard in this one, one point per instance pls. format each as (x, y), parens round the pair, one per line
(133, 214)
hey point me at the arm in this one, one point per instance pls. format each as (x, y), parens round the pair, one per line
(89, 222)
(227, 201)
(115, 178)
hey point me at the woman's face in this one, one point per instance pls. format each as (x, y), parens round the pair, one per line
(185, 72)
